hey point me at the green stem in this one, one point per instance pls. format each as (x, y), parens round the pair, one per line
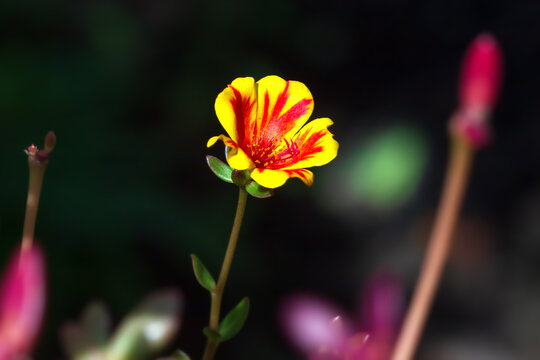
(217, 294)
(457, 174)
(37, 170)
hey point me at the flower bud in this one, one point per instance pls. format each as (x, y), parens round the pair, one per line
(42, 156)
(50, 141)
(240, 177)
(478, 91)
(481, 73)
(32, 150)
(22, 300)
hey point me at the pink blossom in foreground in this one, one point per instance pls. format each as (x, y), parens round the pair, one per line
(22, 300)
(322, 331)
(479, 90)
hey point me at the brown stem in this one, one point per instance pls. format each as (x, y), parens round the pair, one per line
(37, 170)
(457, 174)
(217, 294)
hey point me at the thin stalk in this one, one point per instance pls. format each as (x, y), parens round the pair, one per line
(457, 174)
(37, 170)
(217, 294)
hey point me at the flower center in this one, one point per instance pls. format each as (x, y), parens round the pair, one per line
(272, 153)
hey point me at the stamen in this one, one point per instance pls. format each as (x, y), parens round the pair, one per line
(269, 153)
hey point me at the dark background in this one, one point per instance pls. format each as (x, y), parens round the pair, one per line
(129, 89)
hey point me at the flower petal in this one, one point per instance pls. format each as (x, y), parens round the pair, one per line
(316, 145)
(226, 140)
(236, 157)
(269, 178)
(305, 175)
(236, 108)
(283, 107)
(272, 179)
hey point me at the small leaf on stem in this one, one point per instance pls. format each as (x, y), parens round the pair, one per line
(234, 321)
(219, 168)
(202, 274)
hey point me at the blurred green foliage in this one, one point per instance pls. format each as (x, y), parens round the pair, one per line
(386, 170)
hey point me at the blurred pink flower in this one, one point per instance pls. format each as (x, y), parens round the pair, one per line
(322, 331)
(479, 90)
(22, 300)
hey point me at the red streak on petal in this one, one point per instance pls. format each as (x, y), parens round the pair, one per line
(266, 144)
(280, 102)
(305, 175)
(309, 147)
(284, 157)
(242, 109)
(287, 121)
(289, 154)
(230, 143)
(302, 173)
(264, 119)
(277, 126)
(269, 129)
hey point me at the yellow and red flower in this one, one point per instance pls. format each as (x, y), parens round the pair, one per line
(265, 123)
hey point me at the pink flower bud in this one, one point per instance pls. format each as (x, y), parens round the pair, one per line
(22, 300)
(478, 91)
(481, 73)
(50, 141)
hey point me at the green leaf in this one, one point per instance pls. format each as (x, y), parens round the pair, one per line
(211, 334)
(178, 355)
(234, 321)
(218, 167)
(258, 191)
(202, 274)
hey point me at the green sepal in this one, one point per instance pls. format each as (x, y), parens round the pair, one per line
(212, 335)
(202, 274)
(178, 355)
(219, 168)
(258, 191)
(234, 321)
